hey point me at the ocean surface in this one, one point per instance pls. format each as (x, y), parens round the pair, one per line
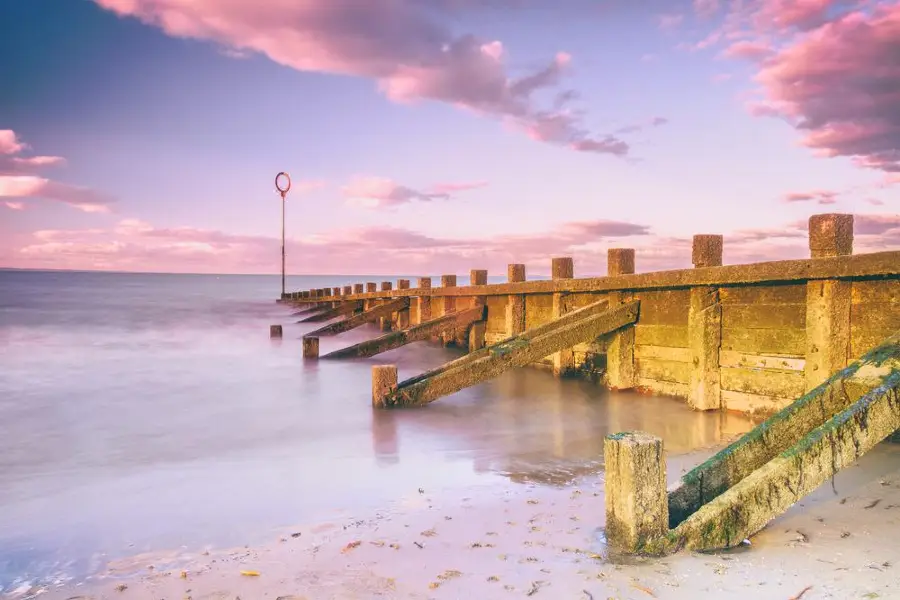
(143, 412)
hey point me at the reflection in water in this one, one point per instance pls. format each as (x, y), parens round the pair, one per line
(530, 427)
(150, 411)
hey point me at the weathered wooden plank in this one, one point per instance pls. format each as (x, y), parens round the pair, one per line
(856, 266)
(764, 294)
(538, 310)
(663, 353)
(766, 382)
(864, 339)
(496, 316)
(665, 307)
(753, 404)
(875, 290)
(660, 335)
(514, 353)
(729, 358)
(663, 370)
(662, 388)
(763, 316)
(791, 342)
(580, 300)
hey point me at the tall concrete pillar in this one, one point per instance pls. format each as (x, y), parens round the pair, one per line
(620, 373)
(423, 303)
(637, 507)
(515, 303)
(448, 304)
(828, 301)
(562, 268)
(403, 315)
(705, 328)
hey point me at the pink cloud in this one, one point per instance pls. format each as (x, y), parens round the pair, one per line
(800, 14)
(670, 21)
(9, 142)
(137, 245)
(403, 46)
(14, 205)
(379, 192)
(706, 8)
(838, 84)
(747, 50)
(18, 179)
(818, 196)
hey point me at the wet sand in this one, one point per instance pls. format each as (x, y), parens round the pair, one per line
(539, 541)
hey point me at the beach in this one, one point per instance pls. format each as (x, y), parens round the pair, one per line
(539, 542)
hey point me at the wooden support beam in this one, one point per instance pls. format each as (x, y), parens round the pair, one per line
(332, 313)
(518, 351)
(591, 309)
(450, 324)
(362, 318)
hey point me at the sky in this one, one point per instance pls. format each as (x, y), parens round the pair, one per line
(439, 136)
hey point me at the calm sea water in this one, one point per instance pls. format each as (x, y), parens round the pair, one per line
(141, 412)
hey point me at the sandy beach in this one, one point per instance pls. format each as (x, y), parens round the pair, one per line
(535, 541)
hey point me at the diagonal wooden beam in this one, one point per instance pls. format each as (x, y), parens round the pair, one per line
(332, 313)
(451, 323)
(362, 318)
(518, 351)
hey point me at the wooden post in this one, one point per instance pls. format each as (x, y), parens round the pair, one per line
(275, 331)
(828, 301)
(348, 290)
(371, 287)
(562, 268)
(311, 347)
(358, 288)
(476, 335)
(448, 304)
(637, 508)
(705, 328)
(515, 303)
(386, 286)
(384, 381)
(423, 303)
(620, 372)
(403, 315)
(336, 291)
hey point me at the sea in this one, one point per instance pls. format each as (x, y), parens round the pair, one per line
(146, 412)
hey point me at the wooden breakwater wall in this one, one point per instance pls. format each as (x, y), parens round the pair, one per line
(749, 338)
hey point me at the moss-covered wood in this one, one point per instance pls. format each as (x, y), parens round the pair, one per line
(367, 316)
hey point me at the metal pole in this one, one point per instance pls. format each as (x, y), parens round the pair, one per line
(283, 190)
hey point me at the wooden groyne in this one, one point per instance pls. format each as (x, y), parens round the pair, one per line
(749, 338)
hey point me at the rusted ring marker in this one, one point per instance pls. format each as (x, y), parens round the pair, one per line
(284, 190)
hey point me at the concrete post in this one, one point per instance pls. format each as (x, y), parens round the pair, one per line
(562, 268)
(706, 251)
(705, 329)
(479, 277)
(275, 331)
(637, 508)
(311, 347)
(515, 303)
(476, 335)
(423, 303)
(830, 235)
(384, 381)
(620, 373)
(448, 304)
(403, 315)
(828, 301)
